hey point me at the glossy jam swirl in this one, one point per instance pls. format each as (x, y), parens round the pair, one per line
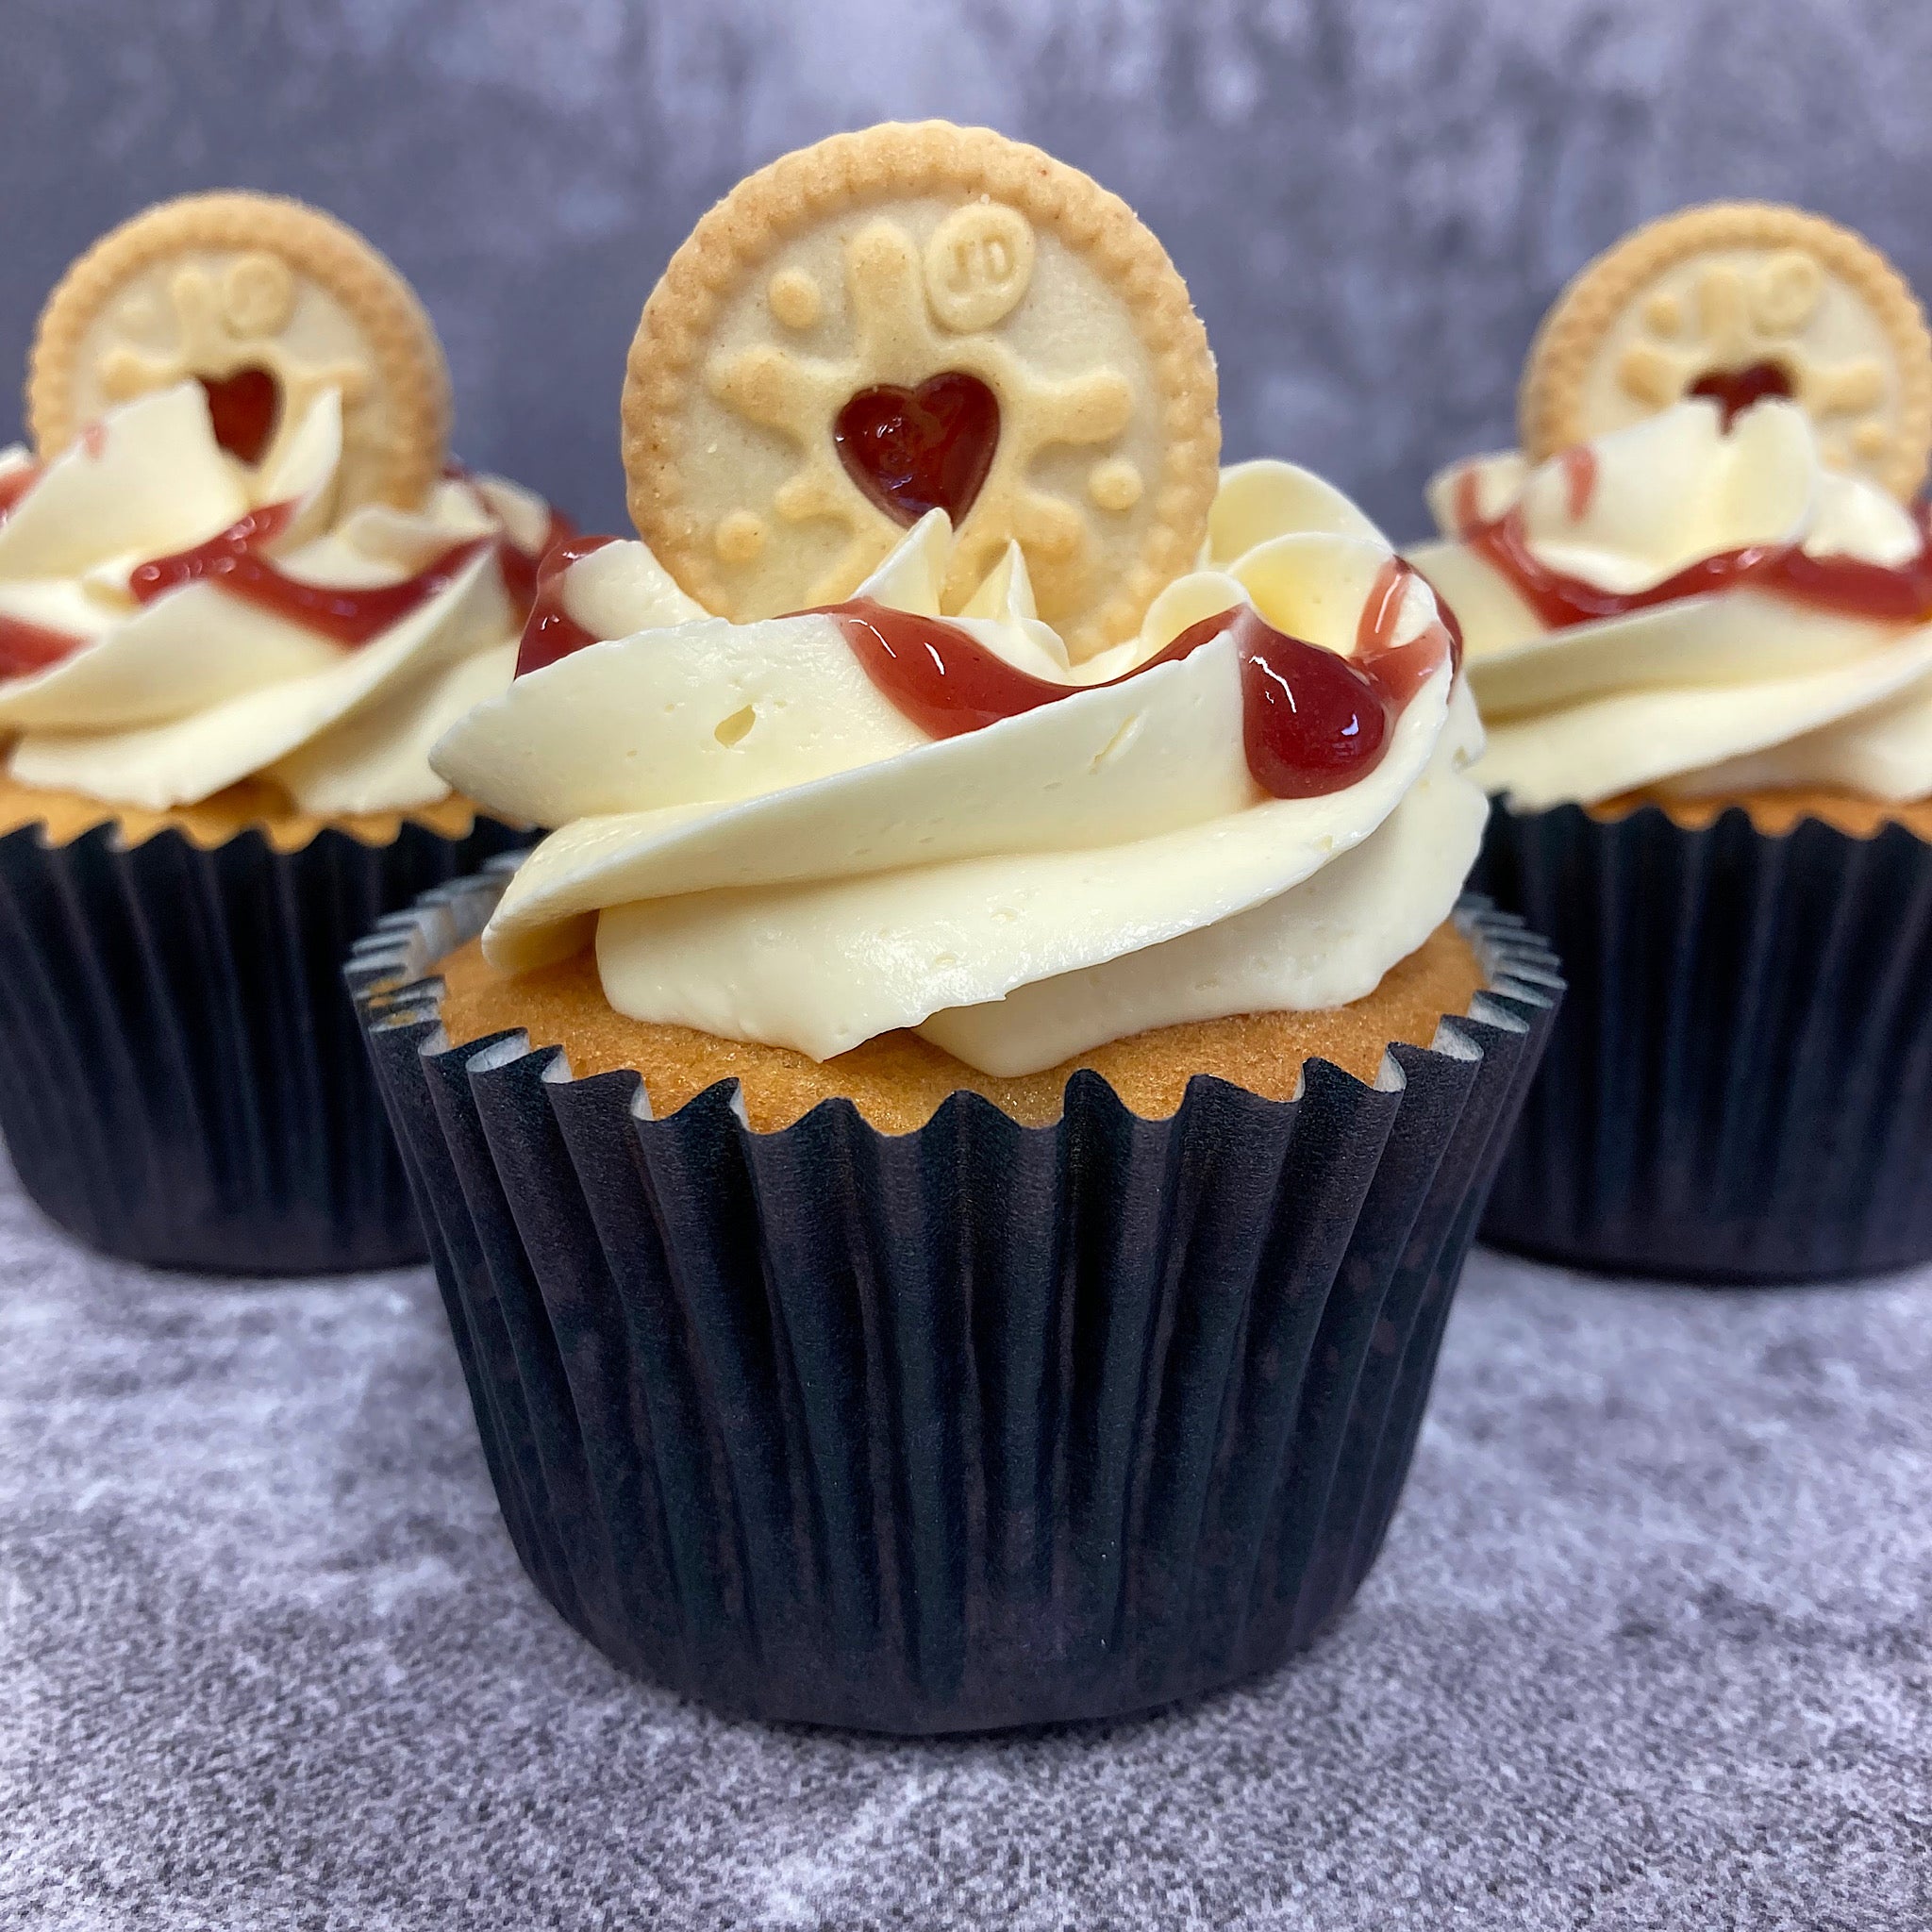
(1889, 593)
(1313, 720)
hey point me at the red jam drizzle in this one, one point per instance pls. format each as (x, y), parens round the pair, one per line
(348, 616)
(913, 450)
(1900, 593)
(25, 648)
(243, 408)
(939, 677)
(1580, 476)
(522, 568)
(351, 616)
(1734, 390)
(1312, 720)
(14, 485)
(551, 632)
(519, 566)
(1403, 669)
(233, 563)
(213, 558)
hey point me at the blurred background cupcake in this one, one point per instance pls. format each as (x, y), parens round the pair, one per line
(949, 1166)
(242, 592)
(1698, 612)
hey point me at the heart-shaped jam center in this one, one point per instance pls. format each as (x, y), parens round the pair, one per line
(244, 407)
(1735, 389)
(912, 450)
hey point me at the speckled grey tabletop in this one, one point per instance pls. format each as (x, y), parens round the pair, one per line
(1649, 1642)
(1648, 1647)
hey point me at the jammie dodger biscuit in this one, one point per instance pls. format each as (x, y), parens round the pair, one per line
(1737, 301)
(266, 302)
(918, 317)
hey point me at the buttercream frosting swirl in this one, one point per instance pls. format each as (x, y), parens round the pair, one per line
(762, 845)
(148, 672)
(1692, 607)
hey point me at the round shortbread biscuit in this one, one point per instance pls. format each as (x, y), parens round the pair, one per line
(1738, 300)
(920, 316)
(266, 302)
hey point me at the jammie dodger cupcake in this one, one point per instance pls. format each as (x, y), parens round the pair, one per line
(241, 593)
(1698, 610)
(951, 1160)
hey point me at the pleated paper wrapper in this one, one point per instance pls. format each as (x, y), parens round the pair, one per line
(976, 1427)
(1740, 1087)
(185, 1081)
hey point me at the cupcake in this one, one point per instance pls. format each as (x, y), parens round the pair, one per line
(949, 1164)
(241, 593)
(1696, 610)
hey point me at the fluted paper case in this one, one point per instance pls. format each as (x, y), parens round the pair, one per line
(185, 1085)
(975, 1426)
(1740, 1087)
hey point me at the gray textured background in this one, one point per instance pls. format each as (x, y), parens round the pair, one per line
(1648, 1647)
(1649, 1644)
(1373, 200)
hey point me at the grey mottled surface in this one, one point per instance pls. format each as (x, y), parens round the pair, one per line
(1648, 1647)
(1649, 1644)
(1373, 200)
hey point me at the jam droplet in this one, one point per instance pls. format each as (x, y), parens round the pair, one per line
(1734, 390)
(243, 408)
(551, 632)
(1313, 721)
(914, 450)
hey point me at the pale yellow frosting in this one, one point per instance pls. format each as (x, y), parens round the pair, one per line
(761, 846)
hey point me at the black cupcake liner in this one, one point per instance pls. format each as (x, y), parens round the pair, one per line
(1740, 1087)
(969, 1427)
(185, 1081)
